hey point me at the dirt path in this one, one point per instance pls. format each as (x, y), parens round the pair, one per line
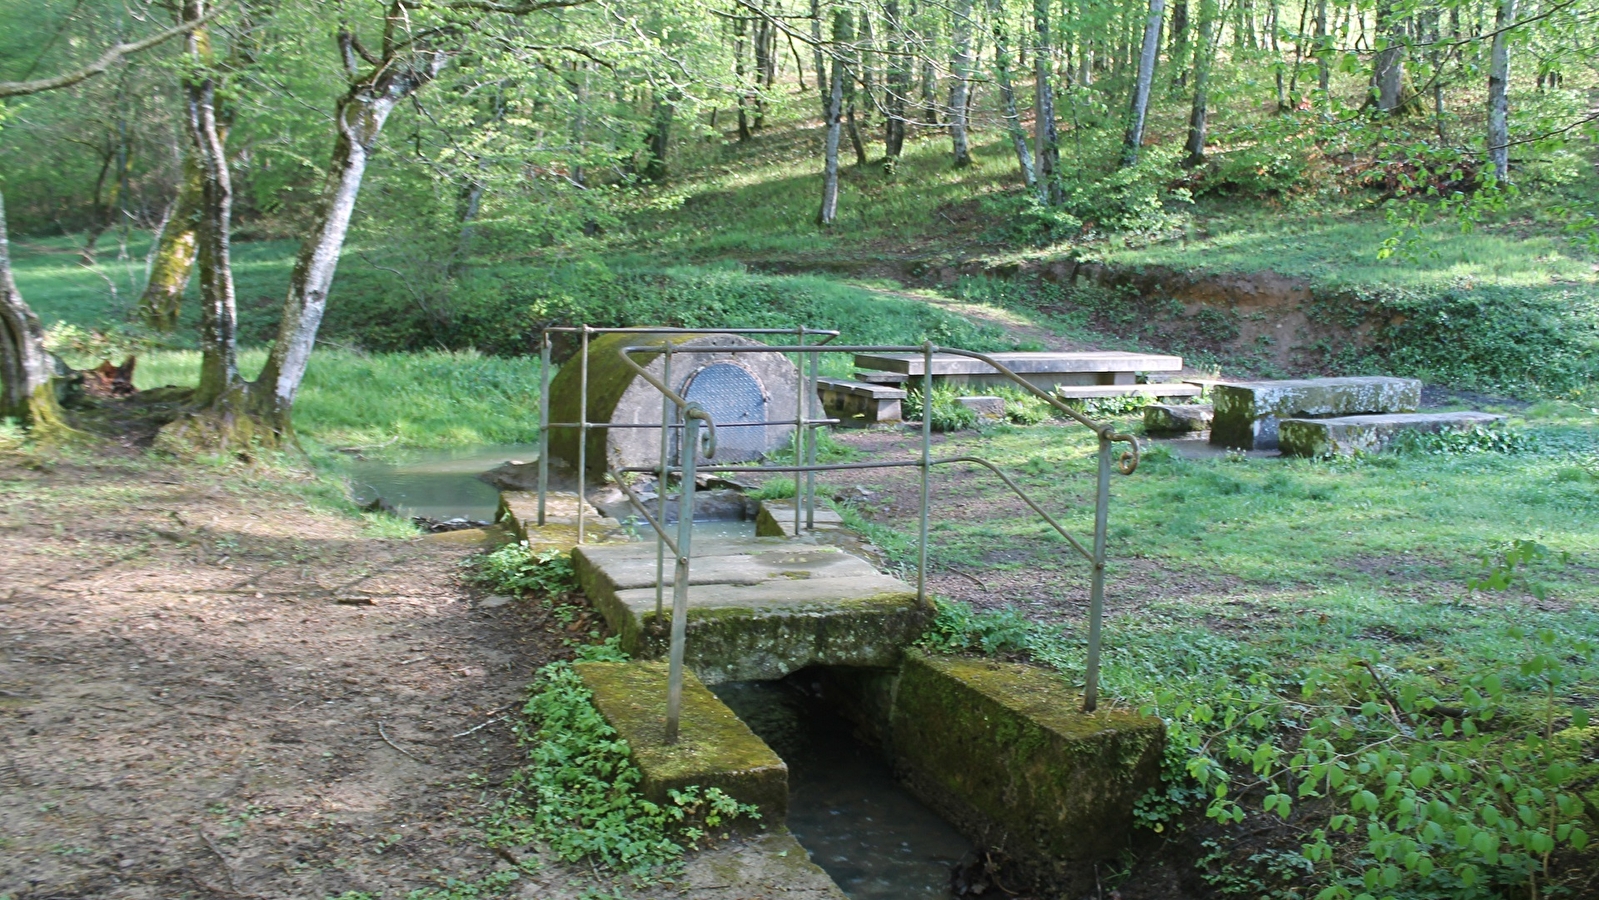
(209, 688)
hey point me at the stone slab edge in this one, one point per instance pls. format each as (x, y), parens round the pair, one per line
(714, 748)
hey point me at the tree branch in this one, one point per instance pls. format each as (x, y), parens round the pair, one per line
(106, 60)
(514, 9)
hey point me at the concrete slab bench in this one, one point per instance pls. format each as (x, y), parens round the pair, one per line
(1247, 412)
(1348, 435)
(1170, 390)
(860, 403)
(1044, 369)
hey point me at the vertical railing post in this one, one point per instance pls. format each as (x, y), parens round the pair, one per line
(685, 533)
(667, 411)
(927, 466)
(582, 430)
(799, 426)
(810, 457)
(544, 423)
(1096, 591)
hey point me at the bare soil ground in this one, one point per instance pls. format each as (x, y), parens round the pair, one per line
(211, 687)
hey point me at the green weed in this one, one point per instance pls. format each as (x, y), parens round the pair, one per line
(578, 794)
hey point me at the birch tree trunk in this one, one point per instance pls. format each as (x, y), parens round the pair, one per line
(961, 69)
(358, 118)
(219, 364)
(834, 114)
(1198, 114)
(1498, 91)
(1046, 134)
(1007, 93)
(1146, 76)
(172, 261)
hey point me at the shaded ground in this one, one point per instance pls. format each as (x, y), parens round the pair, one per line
(215, 688)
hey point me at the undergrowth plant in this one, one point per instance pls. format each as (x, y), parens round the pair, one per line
(578, 794)
(518, 569)
(948, 414)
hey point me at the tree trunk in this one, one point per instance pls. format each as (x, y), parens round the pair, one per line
(659, 141)
(1179, 42)
(1498, 94)
(738, 72)
(172, 260)
(1389, 67)
(834, 114)
(1146, 75)
(1323, 68)
(1007, 92)
(358, 118)
(219, 369)
(961, 69)
(27, 370)
(1046, 135)
(1197, 116)
(898, 85)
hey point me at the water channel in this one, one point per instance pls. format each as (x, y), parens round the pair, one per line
(845, 807)
(868, 833)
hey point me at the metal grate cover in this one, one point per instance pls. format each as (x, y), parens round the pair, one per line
(737, 403)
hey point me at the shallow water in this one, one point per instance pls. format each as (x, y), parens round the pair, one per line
(438, 484)
(443, 484)
(868, 833)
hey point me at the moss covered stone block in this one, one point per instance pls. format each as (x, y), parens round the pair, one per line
(1005, 752)
(714, 748)
(1247, 413)
(758, 609)
(1348, 435)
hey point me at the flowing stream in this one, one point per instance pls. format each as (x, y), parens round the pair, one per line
(866, 831)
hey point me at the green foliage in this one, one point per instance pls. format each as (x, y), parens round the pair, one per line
(578, 793)
(1139, 198)
(1024, 407)
(517, 569)
(1483, 439)
(1506, 566)
(947, 413)
(778, 487)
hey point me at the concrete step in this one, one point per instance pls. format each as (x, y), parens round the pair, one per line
(758, 608)
(1348, 435)
(1247, 412)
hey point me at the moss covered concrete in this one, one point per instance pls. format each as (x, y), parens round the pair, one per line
(1247, 413)
(1348, 435)
(758, 609)
(714, 748)
(1005, 752)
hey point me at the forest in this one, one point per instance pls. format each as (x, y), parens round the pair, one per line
(253, 250)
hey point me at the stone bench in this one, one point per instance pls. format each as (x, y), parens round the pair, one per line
(860, 403)
(1171, 390)
(1348, 435)
(1247, 413)
(1044, 370)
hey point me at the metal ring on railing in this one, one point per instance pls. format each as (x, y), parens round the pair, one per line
(708, 436)
(1127, 463)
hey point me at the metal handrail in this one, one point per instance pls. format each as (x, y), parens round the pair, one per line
(693, 415)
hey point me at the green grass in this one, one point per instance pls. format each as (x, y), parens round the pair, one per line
(432, 399)
(1340, 247)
